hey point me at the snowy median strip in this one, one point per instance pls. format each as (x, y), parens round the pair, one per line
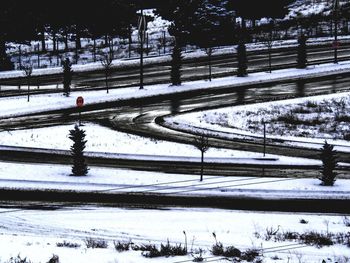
(121, 181)
(103, 142)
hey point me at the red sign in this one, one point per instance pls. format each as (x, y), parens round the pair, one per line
(335, 44)
(80, 101)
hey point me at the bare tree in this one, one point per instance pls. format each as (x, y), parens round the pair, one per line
(28, 70)
(107, 62)
(268, 41)
(202, 143)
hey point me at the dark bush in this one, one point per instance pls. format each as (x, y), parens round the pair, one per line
(232, 252)
(95, 243)
(303, 221)
(342, 118)
(152, 252)
(166, 250)
(316, 239)
(217, 249)
(54, 259)
(141, 247)
(311, 104)
(18, 259)
(250, 255)
(122, 246)
(67, 244)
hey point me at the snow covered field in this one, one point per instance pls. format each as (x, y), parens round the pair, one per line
(35, 234)
(246, 120)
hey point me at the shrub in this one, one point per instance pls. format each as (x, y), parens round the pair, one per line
(311, 104)
(329, 163)
(122, 246)
(141, 247)
(316, 239)
(67, 244)
(250, 254)
(18, 259)
(198, 258)
(270, 232)
(303, 221)
(152, 252)
(95, 243)
(342, 118)
(217, 249)
(346, 221)
(166, 250)
(172, 250)
(54, 259)
(231, 251)
(301, 110)
(346, 136)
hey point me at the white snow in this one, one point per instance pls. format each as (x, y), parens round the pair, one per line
(34, 234)
(234, 121)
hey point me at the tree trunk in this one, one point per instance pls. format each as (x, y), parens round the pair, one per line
(106, 75)
(253, 23)
(210, 65)
(270, 58)
(43, 44)
(106, 40)
(94, 49)
(54, 41)
(66, 40)
(202, 164)
(77, 37)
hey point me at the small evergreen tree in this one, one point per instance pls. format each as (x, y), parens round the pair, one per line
(176, 63)
(67, 76)
(302, 54)
(242, 60)
(79, 167)
(329, 163)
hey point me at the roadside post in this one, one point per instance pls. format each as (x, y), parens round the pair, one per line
(80, 104)
(264, 123)
(335, 19)
(142, 27)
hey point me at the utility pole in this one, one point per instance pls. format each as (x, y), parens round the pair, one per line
(264, 152)
(142, 26)
(335, 18)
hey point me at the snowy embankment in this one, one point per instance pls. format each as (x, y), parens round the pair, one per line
(36, 234)
(121, 181)
(16, 106)
(237, 121)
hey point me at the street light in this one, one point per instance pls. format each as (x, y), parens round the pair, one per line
(142, 27)
(335, 17)
(264, 150)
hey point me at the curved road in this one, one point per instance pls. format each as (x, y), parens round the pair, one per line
(143, 117)
(193, 69)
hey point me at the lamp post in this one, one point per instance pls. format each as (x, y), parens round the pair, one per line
(335, 17)
(142, 27)
(264, 151)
